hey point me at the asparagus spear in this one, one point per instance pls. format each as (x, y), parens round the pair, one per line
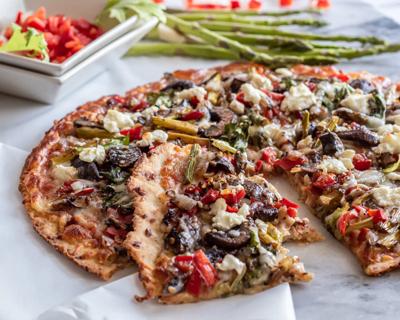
(246, 28)
(212, 52)
(228, 17)
(251, 12)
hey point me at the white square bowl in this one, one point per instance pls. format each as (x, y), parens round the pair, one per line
(44, 88)
(87, 9)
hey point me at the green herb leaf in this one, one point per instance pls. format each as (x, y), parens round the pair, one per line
(194, 152)
(377, 105)
(29, 41)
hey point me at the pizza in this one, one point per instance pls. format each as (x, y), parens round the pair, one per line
(102, 185)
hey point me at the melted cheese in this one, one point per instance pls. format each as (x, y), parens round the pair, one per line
(91, 154)
(198, 92)
(64, 172)
(332, 165)
(390, 142)
(387, 196)
(358, 101)
(226, 220)
(252, 94)
(299, 98)
(237, 107)
(230, 263)
(151, 137)
(114, 120)
(260, 82)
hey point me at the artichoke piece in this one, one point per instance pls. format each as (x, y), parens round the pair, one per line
(68, 156)
(181, 126)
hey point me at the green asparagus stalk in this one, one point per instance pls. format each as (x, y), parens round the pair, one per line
(250, 12)
(212, 52)
(246, 28)
(228, 17)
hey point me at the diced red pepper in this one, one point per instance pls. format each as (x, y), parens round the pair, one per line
(235, 4)
(193, 286)
(19, 17)
(289, 204)
(292, 212)
(361, 162)
(34, 22)
(231, 209)
(234, 197)
(362, 235)
(240, 98)
(210, 197)
(140, 105)
(194, 115)
(268, 155)
(84, 192)
(206, 270)
(323, 4)
(324, 181)
(342, 77)
(259, 166)
(287, 164)
(344, 220)
(40, 13)
(184, 263)
(194, 101)
(378, 215)
(285, 3)
(133, 133)
(274, 96)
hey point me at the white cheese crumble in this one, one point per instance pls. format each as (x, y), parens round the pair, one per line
(230, 263)
(63, 172)
(198, 92)
(252, 94)
(114, 120)
(357, 101)
(347, 158)
(394, 176)
(299, 98)
(149, 138)
(284, 72)
(78, 185)
(91, 154)
(215, 84)
(226, 220)
(260, 82)
(332, 165)
(390, 143)
(237, 107)
(387, 196)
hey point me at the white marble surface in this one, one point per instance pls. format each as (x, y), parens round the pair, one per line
(339, 290)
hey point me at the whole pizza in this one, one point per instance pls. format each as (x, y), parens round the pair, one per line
(173, 176)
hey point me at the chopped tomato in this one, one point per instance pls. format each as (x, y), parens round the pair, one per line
(378, 215)
(234, 197)
(344, 220)
(210, 196)
(235, 4)
(203, 265)
(361, 162)
(34, 22)
(133, 133)
(194, 115)
(287, 164)
(323, 4)
(289, 204)
(324, 181)
(292, 212)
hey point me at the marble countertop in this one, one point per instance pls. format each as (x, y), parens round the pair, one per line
(339, 290)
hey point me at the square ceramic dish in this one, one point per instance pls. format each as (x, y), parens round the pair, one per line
(87, 9)
(45, 88)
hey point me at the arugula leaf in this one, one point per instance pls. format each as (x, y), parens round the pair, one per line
(31, 40)
(121, 10)
(237, 134)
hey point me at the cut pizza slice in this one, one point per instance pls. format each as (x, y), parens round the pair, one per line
(200, 231)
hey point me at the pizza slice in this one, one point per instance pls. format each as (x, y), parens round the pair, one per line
(201, 231)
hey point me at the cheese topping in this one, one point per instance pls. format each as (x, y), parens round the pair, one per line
(226, 220)
(252, 94)
(299, 98)
(237, 107)
(91, 154)
(284, 72)
(198, 92)
(260, 82)
(332, 165)
(114, 120)
(151, 137)
(358, 101)
(64, 172)
(390, 143)
(346, 157)
(386, 196)
(230, 263)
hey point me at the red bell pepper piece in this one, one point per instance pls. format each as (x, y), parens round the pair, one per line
(287, 164)
(184, 263)
(324, 181)
(210, 196)
(378, 215)
(273, 95)
(234, 197)
(259, 166)
(193, 286)
(323, 4)
(191, 189)
(140, 106)
(36, 23)
(292, 212)
(342, 77)
(268, 155)
(289, 204)
(285, 3)
(19, 17)
(361, 162)
(344, 220)
(235, 4)
(84, 192)
(231, 209)
(133, 133)
(206, 270)
(194, 115)
(194, 101)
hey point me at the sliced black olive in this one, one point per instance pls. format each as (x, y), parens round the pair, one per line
(221, 164)
(361, 136)
(184, 236)
(236, 84)
(362, 84)
(253, 190)
(86, 170)
(123, 156)
(179, 85)
(263, 212)
(227, 241)
(331, 143)
(86, 123)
